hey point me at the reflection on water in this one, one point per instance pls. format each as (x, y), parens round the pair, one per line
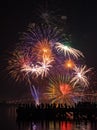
(8, 122)
(58, 125)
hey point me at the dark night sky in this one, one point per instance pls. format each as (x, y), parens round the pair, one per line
(15, 16)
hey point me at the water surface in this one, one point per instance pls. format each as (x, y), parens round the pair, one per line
(8, 122)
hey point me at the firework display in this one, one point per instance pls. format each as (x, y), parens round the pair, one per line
(61, 90)
(43, 55)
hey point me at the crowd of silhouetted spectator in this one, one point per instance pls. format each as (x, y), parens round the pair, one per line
(82, 110)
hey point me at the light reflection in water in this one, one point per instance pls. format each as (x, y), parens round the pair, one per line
(58, 125)
(66, 126)
(8, 122)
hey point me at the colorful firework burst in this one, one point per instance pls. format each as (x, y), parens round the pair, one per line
(43, 51)
(36, 33)
(61, 90)
(17, 60)
(80, 76)
(68, 51)
(69, 64)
